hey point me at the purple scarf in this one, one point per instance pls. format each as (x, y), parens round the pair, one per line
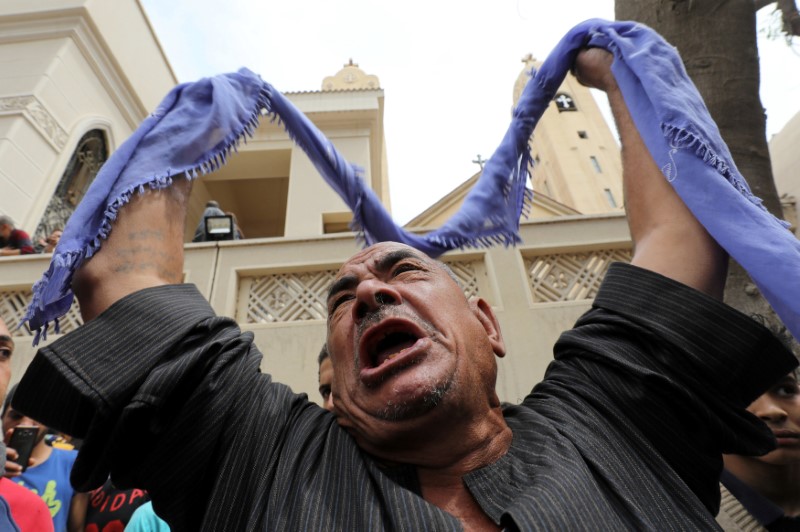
(198, 124)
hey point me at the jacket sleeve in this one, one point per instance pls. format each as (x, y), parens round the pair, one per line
(160, 389)
(670, 368)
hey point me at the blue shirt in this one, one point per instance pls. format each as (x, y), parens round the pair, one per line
(145, 519)
(50, 480)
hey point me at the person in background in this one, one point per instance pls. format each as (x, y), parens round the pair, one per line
(212, 209)
(145, 519)
(48, 476)
(13, 241)
(20, 508)
(325, 378)
(763, 492)
(49, 244)
(110, 508)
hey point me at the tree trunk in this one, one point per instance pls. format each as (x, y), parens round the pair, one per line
(717, 41)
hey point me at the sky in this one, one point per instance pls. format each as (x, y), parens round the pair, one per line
(447, 68)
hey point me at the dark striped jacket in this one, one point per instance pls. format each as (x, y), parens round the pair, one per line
(625, 431)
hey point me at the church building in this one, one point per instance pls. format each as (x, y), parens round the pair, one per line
(80, 75)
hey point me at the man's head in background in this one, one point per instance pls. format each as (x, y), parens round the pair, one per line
(6, 226)
(779, 409)
(325, 378)
(51, 241)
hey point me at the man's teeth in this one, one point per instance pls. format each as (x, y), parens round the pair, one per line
(387, 359)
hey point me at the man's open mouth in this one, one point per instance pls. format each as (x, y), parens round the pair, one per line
(390, 345)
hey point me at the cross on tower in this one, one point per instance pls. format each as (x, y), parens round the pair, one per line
(479, 161)
(564, 101)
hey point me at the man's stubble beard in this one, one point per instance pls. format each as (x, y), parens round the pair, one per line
(433, 394)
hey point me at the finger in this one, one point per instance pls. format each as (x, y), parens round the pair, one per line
(13, 468)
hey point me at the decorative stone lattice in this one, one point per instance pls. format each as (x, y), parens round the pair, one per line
(570, 276)
(467, 274)
(13, 304)
(286, 297)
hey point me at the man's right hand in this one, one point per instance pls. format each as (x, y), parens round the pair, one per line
(593, 69)
(13, 469)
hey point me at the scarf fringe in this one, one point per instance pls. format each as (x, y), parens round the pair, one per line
(680, 138)
(357, 225)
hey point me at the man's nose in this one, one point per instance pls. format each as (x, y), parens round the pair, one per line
(371, 295)
(769, 411)
(25, 420)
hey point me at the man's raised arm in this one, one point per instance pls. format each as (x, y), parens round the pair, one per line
(667, 237)
(144, 249)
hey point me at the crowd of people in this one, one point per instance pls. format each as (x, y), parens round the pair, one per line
(36, 494)
(660, 402)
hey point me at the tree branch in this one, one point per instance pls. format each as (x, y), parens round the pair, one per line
(759, 4)
(790, 17)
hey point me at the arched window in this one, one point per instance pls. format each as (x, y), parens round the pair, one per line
(86, 160)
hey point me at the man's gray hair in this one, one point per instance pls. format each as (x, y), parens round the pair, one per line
(449, 271)
(6, 220)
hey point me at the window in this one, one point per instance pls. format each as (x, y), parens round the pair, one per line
(610, 198)
(89, 155)
(336, 222)
(596, 164)
(583, 134)
(564, 102)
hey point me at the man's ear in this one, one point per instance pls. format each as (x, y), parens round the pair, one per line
(483, 311)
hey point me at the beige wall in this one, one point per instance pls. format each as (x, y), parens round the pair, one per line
(130, 39)
(117, 35)
(309, 196)
(785, 155)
